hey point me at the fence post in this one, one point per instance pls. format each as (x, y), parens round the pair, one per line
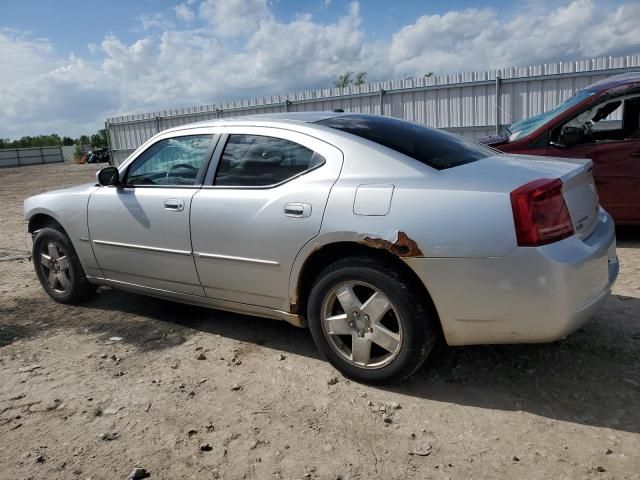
(157, 124)
(287, 104)
(106, 129)
(18, 156)
(382, 93)
(498, 104)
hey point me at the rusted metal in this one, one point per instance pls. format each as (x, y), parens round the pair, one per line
(402, 247)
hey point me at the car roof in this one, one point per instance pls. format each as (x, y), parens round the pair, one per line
(629, 78)
(263, 119)
(307, 117)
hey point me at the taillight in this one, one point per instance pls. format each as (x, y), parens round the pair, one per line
(540, 213)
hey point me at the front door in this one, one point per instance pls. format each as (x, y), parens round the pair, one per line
(616, 171)
(140, 229)
(612, 141)
(266, 201)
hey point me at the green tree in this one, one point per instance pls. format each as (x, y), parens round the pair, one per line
(99, 140)
(344, 80)
(52, 140)
(361, 78)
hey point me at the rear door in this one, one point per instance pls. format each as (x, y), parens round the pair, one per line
(262, 203)
(140, 229)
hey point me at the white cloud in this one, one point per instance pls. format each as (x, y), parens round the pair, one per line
(235, 18)
(183, 12)
(155, 21)
(236, 49)
(480, 39)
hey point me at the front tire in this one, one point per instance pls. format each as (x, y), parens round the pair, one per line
(58, 267)
(368, 321)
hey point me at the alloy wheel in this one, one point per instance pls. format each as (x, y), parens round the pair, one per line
(361, 324)
(55, 265)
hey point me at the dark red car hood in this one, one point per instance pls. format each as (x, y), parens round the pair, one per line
(493, 140)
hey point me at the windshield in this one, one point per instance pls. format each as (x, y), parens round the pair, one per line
(528, 125)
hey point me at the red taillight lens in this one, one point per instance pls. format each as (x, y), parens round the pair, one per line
(540, 213)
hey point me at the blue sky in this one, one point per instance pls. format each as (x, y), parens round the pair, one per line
(67, 65)
(75, 23)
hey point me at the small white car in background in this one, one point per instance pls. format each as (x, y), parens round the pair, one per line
(379, 234)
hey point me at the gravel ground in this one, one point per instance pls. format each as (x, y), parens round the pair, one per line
(93, 391)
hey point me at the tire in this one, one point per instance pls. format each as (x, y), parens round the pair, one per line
(400, 340)
(63, 277)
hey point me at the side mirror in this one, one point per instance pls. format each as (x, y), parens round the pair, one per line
(108, 176)
(570, 136)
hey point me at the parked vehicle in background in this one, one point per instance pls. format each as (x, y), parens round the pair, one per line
(376, 232)
(98, 155)
(600, 122)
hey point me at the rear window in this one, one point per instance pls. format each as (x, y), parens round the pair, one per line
(433, 147)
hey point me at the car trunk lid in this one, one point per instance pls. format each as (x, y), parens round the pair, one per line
(581, 197)
(505, 173)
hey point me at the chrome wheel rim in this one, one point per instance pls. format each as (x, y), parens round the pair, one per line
(361, 324)
(56, 268)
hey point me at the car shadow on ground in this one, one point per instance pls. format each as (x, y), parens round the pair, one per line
(171, 319)
(628, 236)
(592, 377)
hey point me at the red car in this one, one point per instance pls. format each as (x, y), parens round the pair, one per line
(600, 122)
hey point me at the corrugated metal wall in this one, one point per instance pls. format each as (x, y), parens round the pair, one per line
(464, 103)
(17, 157)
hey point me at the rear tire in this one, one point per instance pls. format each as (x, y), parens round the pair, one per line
(368, 321)
(58, 267)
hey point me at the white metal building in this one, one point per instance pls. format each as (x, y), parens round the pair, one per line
(464, 103)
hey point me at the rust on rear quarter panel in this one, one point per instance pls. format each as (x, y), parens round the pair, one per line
(403, 246)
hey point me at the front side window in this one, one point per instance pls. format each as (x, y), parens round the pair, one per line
(257, 160)
(612, 120)
(172, 161)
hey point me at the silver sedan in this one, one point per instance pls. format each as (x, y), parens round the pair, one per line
(378, 234)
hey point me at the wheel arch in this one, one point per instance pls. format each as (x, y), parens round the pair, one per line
(39, 218)
(321, 256)
(42, 220)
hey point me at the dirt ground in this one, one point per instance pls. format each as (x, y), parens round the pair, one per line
(95, 390)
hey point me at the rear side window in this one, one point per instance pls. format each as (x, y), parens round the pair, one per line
(256, 160)
(433, 147)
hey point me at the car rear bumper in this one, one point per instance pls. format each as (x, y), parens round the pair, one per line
(537, 294)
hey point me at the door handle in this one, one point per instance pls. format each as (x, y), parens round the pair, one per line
(297, 210)
(635, 154)
(174, 205)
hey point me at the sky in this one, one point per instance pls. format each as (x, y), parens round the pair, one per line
(66, 66)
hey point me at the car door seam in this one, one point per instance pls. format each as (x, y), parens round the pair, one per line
(95, 257)
(193, 257)
(293, 302)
